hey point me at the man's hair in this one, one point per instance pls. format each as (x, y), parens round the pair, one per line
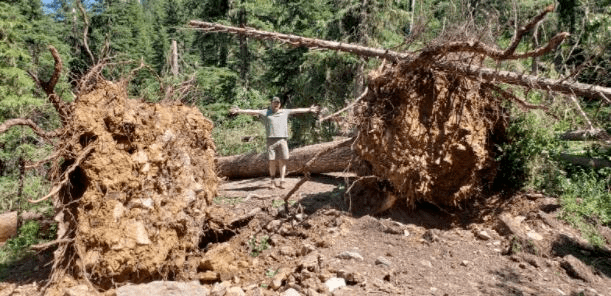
(276, 99)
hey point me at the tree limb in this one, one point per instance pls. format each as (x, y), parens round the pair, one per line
(49, 86)
(28, 122)
(521, 103)
(85, 30)
(472, 71)
(520, 33)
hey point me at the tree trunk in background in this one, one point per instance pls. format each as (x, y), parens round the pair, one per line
(256, 165)
(244, 65)
(174, 59)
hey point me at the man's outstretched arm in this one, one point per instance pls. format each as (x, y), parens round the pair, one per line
(236, 110)
(312, 109)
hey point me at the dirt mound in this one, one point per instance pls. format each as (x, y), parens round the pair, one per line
(137, 204)
(429, 133)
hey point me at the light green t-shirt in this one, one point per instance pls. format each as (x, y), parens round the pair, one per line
(276, 124)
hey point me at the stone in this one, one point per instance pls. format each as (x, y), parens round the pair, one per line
(219, 289)
(406, 232)
(80, 290)
(382, 261)
(430, 236)
(209, 276)
(577, 269)
(307, 249)
(273, 225)
(279, 278)
(137, 231)
(534, 235)
(159, 288)
(335, 283)
(464, 263)
(287, 251)
(509, 225)
(290, 292)
(350, 276)
(310, 262)
(235, 291)
(483, 235)
(350, 255)
(8, 226)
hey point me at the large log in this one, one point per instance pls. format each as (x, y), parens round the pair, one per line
(473, 71)
(256, 165)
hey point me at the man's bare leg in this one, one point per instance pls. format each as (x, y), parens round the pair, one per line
(272, 172)
(282, 165)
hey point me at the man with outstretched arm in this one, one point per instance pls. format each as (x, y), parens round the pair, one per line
(276, 128)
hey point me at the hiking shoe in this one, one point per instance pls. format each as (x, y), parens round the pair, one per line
(281, 185)
(272, 184)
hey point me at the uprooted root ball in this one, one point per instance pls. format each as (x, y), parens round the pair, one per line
(429, 133)
(137, 204)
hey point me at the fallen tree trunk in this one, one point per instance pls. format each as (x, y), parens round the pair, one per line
(585, 161)
(476, 72)
(256, 165)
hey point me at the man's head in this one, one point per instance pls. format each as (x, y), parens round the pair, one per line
(275, 105)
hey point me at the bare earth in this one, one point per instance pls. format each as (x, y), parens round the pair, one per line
(499, 246)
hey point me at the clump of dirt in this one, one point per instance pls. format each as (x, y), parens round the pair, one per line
(429, 133)
(137, 204)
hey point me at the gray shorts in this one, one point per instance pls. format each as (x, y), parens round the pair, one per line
(279, 146)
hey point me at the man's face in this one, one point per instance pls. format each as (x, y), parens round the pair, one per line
(275, 106)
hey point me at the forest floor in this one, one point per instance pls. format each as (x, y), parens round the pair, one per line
(501, 245)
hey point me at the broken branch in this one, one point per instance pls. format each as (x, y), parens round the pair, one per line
(28, 122)
(345, 108)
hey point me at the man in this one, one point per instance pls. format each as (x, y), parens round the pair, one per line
(276, 128)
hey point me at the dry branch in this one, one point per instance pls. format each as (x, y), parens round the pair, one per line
(42, 161)
(28, 122)
(49, 86)
(475, 72)
(85, 30)
(520, 32)
(345, 108)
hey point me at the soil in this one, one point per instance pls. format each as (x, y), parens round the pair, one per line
(498, 245)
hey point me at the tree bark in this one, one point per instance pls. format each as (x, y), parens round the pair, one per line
(475, 72)
(256, 165)
(174, 59)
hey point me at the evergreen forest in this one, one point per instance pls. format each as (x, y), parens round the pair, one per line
(218, 71)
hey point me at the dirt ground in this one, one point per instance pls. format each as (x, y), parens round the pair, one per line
(500, 245)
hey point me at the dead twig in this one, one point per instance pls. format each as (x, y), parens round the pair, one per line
(66, 177)
(42, 161)
(345, 108)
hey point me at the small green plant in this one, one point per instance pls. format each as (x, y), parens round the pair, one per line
(258, 245)
(279, 202)
(227, 200)
(270, 272)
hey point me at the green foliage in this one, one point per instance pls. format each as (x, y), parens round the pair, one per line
(224, 200)
(586, 201)
(258, 245)
(17, 248)
(525, 160)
